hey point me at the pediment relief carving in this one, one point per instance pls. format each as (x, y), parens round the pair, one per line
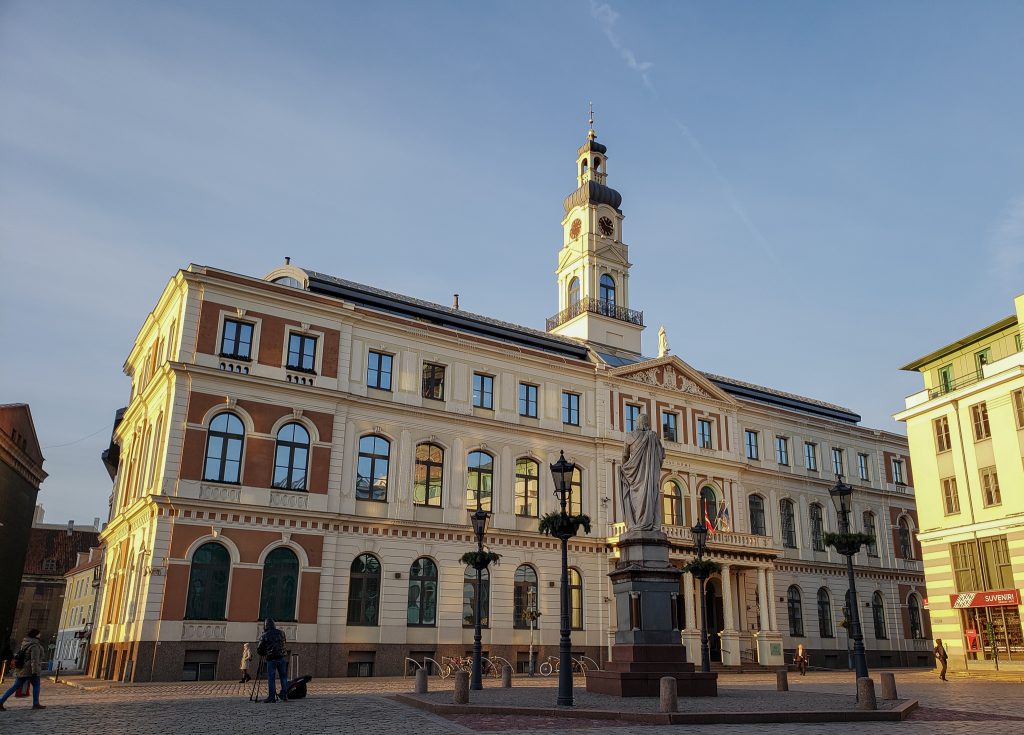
(671, 373)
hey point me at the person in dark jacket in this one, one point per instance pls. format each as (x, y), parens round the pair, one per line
(32, 655)
(940, 658)
(271, 646)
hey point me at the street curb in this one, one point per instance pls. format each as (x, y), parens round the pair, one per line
(896, 714)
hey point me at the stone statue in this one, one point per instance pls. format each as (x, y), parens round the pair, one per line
(640, 478)
(663, 348)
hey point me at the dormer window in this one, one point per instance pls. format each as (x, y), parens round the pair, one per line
(287, 281)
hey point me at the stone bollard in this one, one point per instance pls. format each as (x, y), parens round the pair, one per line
(782, 680)
(421, 681)
(669, 694)
(461, 695)
(888, 685)
(866, 693)
(506, 677)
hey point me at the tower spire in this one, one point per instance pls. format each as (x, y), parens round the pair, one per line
(591, 135)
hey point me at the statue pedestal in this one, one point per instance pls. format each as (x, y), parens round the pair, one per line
(648, 641)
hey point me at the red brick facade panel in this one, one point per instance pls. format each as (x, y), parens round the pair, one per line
(244, 600)
(312, 545)
(309, 597)
(175, 592)
(319, 466)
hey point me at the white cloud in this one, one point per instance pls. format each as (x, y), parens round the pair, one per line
(606, 17)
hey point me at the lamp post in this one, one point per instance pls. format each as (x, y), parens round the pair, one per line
(841, 494)
(531, 613)
(700, 540)
(479, 520)
(562, 471)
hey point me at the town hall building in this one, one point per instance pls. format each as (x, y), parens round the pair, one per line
(307, 448)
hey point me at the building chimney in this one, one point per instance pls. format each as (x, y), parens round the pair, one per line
(455, 303)
(287, 260)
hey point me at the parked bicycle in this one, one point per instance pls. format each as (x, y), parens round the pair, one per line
(552, 665)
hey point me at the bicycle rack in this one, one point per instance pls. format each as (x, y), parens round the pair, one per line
(504, 662)
(412, 661)
(595, 666)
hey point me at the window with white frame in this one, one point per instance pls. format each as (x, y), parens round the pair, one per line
(704, 434)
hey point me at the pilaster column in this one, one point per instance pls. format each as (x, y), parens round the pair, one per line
(762, 596)
(773, 618)
(729, 614)
(688, 604)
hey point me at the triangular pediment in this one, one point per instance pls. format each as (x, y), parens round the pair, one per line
(672, 374)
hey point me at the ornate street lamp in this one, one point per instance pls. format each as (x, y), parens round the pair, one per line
(479, 521)
(562, 472)
(700, 540)
(848, 544)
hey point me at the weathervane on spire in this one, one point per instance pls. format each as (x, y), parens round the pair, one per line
(591, 135)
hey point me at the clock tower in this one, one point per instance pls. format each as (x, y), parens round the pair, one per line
(593, 264)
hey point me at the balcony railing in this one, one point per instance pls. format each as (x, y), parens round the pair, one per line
(596, 306)
(720, 538)
(951, 385)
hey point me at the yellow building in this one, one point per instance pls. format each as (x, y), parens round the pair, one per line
(966, 435)
(78, 613)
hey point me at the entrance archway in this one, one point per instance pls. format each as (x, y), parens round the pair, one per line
(713, 590)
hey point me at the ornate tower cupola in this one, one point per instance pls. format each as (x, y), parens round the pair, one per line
(593, 265)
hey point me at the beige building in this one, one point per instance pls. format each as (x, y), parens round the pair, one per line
(308, 448)
(966, 434)
(76, 616)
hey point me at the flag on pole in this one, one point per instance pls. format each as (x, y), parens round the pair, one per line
(707, 519)
(724, 522)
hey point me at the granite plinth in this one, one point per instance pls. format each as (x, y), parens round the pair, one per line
(636, 671)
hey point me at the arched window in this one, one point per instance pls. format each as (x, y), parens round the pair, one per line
(422, 608)
(796, 613)
(527, 487)
(878, 615)
(576, 493)
(757, 524)
(869, 529)
(372, 470)
(156, 451)
(607, 292)
(788, 515)
(583, 167)
(524, 595)
(291, 457)
(208, 583)
(364, 590)
(574, 291)
(479, 481)
(825, 614)
(575, 599)
(224, 442)
(469, 597)
(817, 527)
(672, 511)
(914, 613)
(426, 487)
(906, 541)
(709, 504)
(280, 585)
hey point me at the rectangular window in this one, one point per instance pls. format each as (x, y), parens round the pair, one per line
(966, 571)
(950, 496)
(630, 417)
(981, 359)
(378, 370)
(301, 353)
(670, 426)
(862, 467)
(782, 450)
(571, 408)
(1018, 407)
(990, 486)
(941, 426)
(811, 456)
(750, 440)
(837, 461)
(946, 378)
(704, 434)
(979, 418)
(897, 472)
(528, 400)
(433, 381)
(236, 342)
(483, 390)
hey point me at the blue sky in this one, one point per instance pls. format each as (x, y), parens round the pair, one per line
(815, 193)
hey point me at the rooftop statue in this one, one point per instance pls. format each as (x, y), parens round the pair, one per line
(640, 477)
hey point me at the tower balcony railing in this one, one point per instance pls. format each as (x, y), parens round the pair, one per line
(596, 306)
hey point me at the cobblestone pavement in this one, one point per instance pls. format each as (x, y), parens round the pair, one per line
(362, 707)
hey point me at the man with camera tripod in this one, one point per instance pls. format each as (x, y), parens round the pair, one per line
(271, 646)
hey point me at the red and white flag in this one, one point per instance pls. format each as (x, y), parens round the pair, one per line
(707, 519)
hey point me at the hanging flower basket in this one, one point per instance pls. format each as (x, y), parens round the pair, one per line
(563, 525)
(703, 568)
(531, 616)
(480, 559)
(848, 544)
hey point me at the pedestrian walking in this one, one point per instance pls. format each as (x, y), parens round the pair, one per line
(28, 665)
(940, 657)
(800, 659)
(271, 646)
(244, 666)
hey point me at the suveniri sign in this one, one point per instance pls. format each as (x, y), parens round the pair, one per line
(992, 598)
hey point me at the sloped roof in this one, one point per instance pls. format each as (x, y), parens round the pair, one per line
(52, 552)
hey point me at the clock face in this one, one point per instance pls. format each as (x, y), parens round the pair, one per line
(607, 228)
(574, 231)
